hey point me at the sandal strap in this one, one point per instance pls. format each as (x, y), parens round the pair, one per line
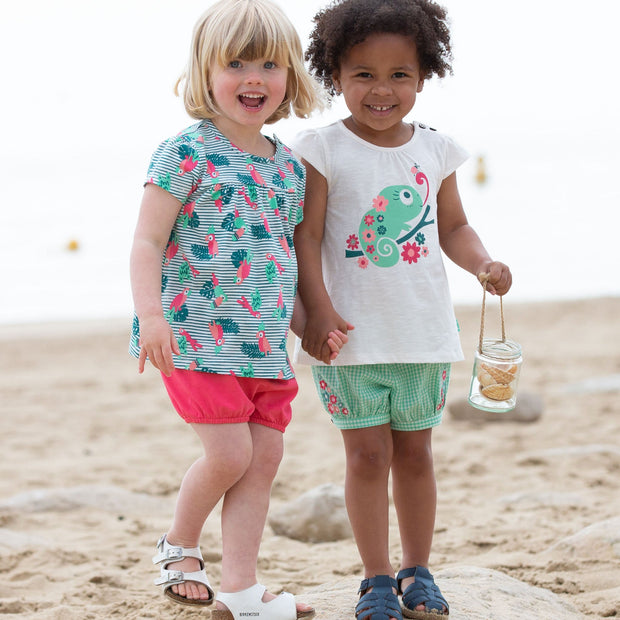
(423, 591)
(249, 602)
(169, 554)
(381, 603)
(378, 581)
(175, 577)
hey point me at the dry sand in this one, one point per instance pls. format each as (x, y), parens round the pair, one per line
(93, 455)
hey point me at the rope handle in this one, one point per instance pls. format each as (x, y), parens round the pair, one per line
(484, 278)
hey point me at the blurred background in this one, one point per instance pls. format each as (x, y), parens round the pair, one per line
(87, 96)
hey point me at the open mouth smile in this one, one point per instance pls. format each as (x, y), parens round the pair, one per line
(252, 101)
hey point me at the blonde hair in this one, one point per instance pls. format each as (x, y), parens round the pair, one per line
(246, 30)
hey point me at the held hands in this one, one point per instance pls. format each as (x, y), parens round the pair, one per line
(314, 341)
(158, 343)
(497, 277)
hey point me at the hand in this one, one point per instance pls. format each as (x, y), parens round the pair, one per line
(324, 335)
(158, 343)
(336, 340)
(497, 276)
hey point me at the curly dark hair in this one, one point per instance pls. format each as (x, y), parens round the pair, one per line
(345, 23)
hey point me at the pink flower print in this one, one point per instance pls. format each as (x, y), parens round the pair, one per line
(323, 385)
(410, 253)
(368, 235)
(344, 411)
(424, 251)
(444, 374)
(363, 262)
(379, 203)
(370, 249)
(353, 242)
(369, 220)
(333, 399)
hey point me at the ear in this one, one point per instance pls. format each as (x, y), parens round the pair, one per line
(336, 82)
(421, 83)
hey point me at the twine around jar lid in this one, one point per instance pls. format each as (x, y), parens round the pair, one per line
(484, 278)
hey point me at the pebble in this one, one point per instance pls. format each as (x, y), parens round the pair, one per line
(318, 515)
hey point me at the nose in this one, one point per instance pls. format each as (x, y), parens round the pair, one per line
(382, 89)
(254, 74)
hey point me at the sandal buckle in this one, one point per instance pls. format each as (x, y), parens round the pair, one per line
(173, 553)
(175, 575)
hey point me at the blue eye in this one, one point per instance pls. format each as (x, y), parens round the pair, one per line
(234, 64)
(270, 64)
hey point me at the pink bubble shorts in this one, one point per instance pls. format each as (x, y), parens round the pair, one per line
(209, 398)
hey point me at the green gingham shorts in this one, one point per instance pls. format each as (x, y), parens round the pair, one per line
(408, 397)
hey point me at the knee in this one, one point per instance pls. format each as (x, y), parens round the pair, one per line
(231, 463)
(369, 461)
(266, 462)
(417, 462)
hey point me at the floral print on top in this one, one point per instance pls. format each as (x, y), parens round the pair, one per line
(229, 270)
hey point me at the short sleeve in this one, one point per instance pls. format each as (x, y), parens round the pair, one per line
(455, 156)
(309, 146)
(175, 166)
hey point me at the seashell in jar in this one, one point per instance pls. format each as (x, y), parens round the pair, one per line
(500, 376)
(497, 391)
(485, 379)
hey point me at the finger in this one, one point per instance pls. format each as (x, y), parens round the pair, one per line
(167, 364)
(326, 353)
(141, 360)
(340, 336)
(333, 349)
(335, 341)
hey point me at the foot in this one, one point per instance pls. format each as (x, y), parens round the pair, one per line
(395, 593)
(434, 593)
(383, 603)
(190, 589)
(268, 596)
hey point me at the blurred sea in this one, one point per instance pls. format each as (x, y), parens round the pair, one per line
(88, 95)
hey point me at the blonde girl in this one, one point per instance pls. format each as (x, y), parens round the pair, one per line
(214, 276)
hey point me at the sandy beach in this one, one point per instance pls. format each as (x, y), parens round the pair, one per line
(93, 455)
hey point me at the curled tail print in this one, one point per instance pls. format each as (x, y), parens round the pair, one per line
(389, 224)
(381, 226)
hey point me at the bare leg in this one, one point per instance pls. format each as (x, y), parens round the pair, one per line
(369, 457)
(245, 511)
(415, 496)
(228, 453)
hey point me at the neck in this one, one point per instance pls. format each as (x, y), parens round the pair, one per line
(394, 136)
(246, 138)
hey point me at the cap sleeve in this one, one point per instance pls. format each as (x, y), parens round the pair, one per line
(309, 146)
(455, 156)
(175, 166)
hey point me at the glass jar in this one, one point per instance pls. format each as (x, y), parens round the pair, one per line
(495, 376)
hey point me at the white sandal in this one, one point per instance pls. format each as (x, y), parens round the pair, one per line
(168, 554)
(249, 602)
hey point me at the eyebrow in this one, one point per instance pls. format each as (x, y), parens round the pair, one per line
(369, 68)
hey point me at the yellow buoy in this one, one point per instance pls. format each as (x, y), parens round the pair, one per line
(481, 172)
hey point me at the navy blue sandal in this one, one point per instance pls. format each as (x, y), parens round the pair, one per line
(381, 603)
(423, 591)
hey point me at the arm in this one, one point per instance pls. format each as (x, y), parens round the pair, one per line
(321, 317)
(460, 242)
(158, 213)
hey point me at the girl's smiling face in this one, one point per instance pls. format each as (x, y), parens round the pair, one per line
(380, 78)
(248, 92)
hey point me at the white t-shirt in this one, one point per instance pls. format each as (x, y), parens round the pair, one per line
(382, 262)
